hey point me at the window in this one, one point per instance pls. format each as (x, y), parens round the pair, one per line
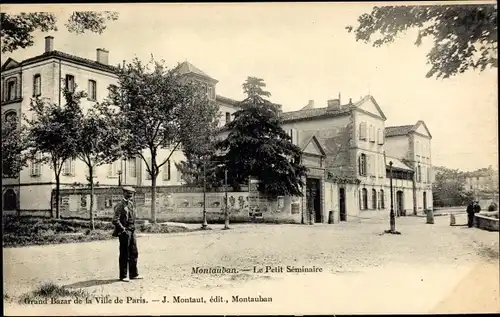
(417, 149)
(374, 199)
(362, 165)
(364, 194)
(36, 166)
(372, 133)
(70, 83)
(380, 138)
(228, 117)
(37, 85)
(114, 168)
(92, 90)
(68, 168)
(11, 87)
(179, 176)
(429, 178)
(362, 131)
(166, 171)
(10, 116)
(419, 173)
(132, 167)
(382, 199)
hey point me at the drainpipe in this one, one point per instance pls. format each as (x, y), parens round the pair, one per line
(60, 82)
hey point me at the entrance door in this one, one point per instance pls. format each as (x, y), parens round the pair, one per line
(399, 203)
(314, 199)
(343, 215)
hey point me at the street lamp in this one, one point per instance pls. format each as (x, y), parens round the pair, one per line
(204, 225)
(226, 211)
(392, 220)
(119, 178)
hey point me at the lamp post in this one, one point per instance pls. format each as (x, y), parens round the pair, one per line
(119, 178)
(204, 225)
(392, 219)
(226, 213)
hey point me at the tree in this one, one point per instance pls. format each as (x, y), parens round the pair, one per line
(200, 151)
(17, 29)
(98, 140)
(465, 36)
(14, 146)
(258, 147)
(158, 111)
(53, 132)
(449, 189)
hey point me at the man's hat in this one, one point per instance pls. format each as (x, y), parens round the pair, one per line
(128, 189)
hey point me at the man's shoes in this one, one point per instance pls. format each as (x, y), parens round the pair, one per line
(125, 279)
(138, 277)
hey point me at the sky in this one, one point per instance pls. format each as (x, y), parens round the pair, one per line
(303, 52)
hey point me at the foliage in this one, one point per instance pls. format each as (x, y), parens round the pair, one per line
(449, 188)
(53, 133)
(158, 110)
(258, 147)
(465, 36)
(493, 207)
(14, 146)
(17, 29)
(98, 138)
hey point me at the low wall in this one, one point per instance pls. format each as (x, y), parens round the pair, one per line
(486, 221)
(182, 204)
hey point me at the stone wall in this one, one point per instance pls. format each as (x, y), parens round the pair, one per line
(183, 204)
(487, 221)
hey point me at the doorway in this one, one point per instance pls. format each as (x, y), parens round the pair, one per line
(425, 201)
(399, 203)
(343, 215)
(9, 200)
(314, 199)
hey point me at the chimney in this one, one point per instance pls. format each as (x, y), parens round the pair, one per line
(102, 56)
(333, 104)
(49, 44)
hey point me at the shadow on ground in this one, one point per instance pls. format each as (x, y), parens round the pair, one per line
(91, 283)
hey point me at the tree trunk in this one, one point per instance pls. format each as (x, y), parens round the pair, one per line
(153, 199)
(91, 181)
(58, 187)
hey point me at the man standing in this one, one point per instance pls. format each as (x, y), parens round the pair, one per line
(124, 222)
(470, 214)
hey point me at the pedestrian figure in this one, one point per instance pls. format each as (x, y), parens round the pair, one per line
(477, 208)
(124, 222)
(470, 214)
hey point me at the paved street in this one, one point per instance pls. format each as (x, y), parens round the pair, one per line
(429, 268)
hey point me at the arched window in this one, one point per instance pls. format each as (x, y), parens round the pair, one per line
(364, 194)
(10, 89)
(9, 200)
(382, 199)
(10, 115)
(374, 199)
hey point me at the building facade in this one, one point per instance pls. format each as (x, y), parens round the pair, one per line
(45, 76)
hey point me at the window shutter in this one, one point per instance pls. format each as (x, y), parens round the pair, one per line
(72, 168)
(368, 165)
(362, 131)
(110, 170)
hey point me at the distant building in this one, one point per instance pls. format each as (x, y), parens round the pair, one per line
(45, 76)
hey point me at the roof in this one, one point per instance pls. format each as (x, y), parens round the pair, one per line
(227, 100)
(398, 164)
(398, 130)
(67, 57)
(405, 129)
(309, 112)
(305, 142)
(188, 68)
(315, 113)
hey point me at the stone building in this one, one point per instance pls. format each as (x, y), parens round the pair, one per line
(347, 149)
(39, 76)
